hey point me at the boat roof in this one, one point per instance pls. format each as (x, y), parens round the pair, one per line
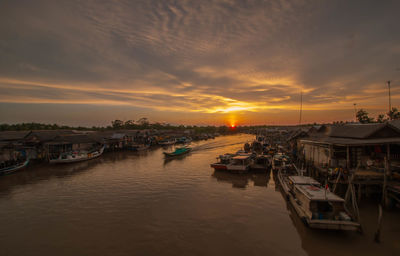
(303, 180)
(241, 157)
(318, 194)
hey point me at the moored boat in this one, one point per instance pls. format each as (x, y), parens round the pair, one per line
(14, 167)
(139, 147)
(240, 163)
(261, 163)
(316, 206)
(77, 156)
(222, 162)
(167, 142)
(178, 152)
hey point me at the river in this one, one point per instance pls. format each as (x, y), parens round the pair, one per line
(127, 203)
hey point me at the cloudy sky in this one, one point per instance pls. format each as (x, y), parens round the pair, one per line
(196, 62)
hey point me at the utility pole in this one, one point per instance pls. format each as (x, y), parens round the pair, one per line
(355, 111)
(390, 101)
(301, 105)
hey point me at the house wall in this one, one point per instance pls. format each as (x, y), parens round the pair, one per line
(317, 154)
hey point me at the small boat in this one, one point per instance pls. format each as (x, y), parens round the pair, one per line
(167, 142)
(178, 152)
(77, 156)
(14, 167)
(183, 140)
(261, 163)
(222, 162)
(139, 147)
(279, 161)
(240, 163)
(316, 206)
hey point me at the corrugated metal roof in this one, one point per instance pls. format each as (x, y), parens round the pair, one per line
(358, 131)
(13, 135)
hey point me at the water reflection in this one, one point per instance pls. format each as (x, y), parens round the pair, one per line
(243, 180)
(37, 172)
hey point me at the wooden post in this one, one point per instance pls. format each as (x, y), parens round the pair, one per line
(388, 159)
(348, 158)
(385, 181)
(378, 231)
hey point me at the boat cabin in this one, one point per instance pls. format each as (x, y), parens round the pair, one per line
(240, 163)
(316, 201)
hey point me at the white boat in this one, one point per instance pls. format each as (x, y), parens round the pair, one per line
(240, 163)
(167, 142)
(222, 162)
(77, 156)
(279, 161)
(14, 167)
(316, 206)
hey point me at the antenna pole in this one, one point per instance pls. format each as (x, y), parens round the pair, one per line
(390, 101)
(301, 105)
(355, 111)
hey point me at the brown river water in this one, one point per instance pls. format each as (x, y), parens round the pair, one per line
(127, 203)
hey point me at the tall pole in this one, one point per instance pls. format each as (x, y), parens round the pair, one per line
(390, 101)
(301, 105)
(355, 111)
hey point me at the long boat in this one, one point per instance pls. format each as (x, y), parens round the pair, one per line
(240, 163)
(139, 147)
(77, 156)
(222, 162)
(178, 152)
(316, 206)
(167, 142)
(13, 168)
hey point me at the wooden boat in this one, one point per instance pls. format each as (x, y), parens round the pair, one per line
(139, 147)
(77, 156)
(14, 167)
(279, 161)
(316, 206)
(240, 163)
(261, 163)
(178, 152)
(222, 162)
(167, 142)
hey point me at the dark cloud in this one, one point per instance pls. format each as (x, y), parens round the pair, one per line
(200, 56)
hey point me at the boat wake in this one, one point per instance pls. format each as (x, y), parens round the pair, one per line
(214, 145)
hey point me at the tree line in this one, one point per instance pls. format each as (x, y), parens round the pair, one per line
(140, 124)
(364, 118)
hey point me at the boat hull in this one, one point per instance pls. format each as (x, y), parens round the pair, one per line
(219, 167)
(171, 155)
(14, 168)
(315, 223)
(88, 156)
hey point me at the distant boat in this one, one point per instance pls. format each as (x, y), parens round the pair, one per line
(14, 167)
(77, 156)
(316, 206)
(139, 147)
(178, 152)
(167, 142)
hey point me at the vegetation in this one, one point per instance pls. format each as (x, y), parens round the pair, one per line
(141, 124)
(362, 116)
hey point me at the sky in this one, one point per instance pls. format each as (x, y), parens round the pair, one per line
(197, 62)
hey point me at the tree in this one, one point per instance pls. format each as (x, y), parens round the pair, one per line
(130, 124)
(117, 124)
(393, 114)
(381, 118)
(143, 122)
(362, 117)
